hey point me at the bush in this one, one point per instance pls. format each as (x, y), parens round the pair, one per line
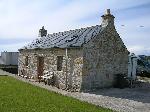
(144, 74)
(121, 81)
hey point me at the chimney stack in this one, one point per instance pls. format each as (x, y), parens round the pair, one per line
(107, 11)
(42, 32)
(107, 18)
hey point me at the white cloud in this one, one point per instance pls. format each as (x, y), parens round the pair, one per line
(139, 49)
(12, 47)
(23, 18)
(136, 38)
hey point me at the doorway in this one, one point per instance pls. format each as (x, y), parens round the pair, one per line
(40, 66)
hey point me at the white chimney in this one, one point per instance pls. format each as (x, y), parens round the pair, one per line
(107, 18)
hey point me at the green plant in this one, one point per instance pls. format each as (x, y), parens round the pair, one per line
(17, 96)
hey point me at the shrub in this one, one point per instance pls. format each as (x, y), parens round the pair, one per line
(121, 81)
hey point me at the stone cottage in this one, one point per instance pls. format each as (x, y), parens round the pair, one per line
(81, 59)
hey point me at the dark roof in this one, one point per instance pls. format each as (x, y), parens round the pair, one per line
(72, 38)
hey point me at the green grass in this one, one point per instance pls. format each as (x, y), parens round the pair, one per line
(17, 96)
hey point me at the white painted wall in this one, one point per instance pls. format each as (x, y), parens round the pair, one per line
(9, 58)
(132, 66)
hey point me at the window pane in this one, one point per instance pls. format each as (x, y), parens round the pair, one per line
(26, 61)
(59, 62)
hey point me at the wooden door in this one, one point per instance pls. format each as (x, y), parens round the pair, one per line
(40, 66)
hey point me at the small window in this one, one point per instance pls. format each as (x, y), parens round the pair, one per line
(26, 61)
(59, 62)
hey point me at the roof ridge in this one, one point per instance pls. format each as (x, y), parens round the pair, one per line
(73, 29)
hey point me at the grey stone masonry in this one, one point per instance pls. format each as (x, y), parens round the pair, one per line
(69, 76)
(91, 57)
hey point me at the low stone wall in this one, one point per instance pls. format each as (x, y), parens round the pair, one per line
(10, 69)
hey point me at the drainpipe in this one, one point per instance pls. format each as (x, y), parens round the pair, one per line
(66, 68)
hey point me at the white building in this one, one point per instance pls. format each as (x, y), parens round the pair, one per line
(132, 66)
(9, 58)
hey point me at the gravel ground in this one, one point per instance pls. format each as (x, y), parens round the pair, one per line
(123, 100)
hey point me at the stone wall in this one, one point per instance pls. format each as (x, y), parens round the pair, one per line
(103, 57)
(92, 66)
(71, 66)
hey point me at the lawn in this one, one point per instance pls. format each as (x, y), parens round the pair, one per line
(17, 96)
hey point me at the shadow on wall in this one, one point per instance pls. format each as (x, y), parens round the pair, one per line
(10, 68)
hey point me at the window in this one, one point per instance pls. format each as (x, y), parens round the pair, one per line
(26, 61)
(59, 62)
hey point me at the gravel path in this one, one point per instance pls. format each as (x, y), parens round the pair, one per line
(122, 100)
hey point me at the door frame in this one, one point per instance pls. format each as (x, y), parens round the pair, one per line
(40, 66)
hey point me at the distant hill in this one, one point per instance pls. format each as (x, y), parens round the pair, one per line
(143, 65)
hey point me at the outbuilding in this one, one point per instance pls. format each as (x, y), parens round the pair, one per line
(80, 59)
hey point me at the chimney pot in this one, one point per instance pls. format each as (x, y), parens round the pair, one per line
(107, 11)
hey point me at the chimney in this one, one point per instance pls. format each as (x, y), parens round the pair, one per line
(42, 32)
(107, 11)
(107, 18)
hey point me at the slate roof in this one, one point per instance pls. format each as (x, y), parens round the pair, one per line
(72, 38)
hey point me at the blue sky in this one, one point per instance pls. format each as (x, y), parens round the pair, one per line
(20, 20)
